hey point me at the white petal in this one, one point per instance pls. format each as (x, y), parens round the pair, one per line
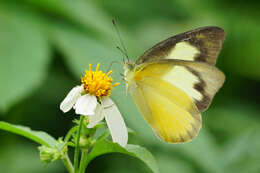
(86, 105)
(115, 122)
(71, 98)
(95, 119)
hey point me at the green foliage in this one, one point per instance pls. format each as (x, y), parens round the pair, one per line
(25, 158)
(52, 150)
(48, 154)
(39, 137)
(24, 55)
(46, 45)
(105, 147)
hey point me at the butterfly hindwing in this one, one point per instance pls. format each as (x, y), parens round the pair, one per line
(201, 44)
(209, 81)
(170, 94)
(199, 81)
(168, 110)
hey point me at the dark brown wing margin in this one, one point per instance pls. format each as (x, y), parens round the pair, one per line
(208, 40)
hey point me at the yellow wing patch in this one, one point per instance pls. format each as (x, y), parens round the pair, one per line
(169, 111)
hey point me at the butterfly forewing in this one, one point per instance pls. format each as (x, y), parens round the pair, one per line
(201, 44)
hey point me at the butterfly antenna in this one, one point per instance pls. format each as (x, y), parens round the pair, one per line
(124, 51)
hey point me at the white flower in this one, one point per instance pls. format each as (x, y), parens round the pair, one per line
(87, 105)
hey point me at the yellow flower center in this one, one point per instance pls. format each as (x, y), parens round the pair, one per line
(98, 83)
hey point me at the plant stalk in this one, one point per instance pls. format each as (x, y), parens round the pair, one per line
(77, 148)
(67, 163)
(83, 161)
(70, 133)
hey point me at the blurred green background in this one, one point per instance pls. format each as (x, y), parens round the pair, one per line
(45, 46)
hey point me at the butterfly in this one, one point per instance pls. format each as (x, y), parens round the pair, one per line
(176, 80)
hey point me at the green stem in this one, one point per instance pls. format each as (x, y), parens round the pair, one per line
(70, 133)
(77, 148)
(83, 161)
(67, 163)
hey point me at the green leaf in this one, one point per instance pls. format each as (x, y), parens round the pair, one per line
(26, 159)
(36, 136)
(105, 147)
(24, 54)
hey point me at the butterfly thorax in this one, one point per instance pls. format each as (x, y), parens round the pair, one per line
(129, 69)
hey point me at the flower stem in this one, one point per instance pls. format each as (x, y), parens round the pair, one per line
(70, 133)
(67, 163)
(77, 148)
(83, 161)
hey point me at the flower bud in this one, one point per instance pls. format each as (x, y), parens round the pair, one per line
(48, 154)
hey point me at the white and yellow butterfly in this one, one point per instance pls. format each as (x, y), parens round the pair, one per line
(176, 80)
